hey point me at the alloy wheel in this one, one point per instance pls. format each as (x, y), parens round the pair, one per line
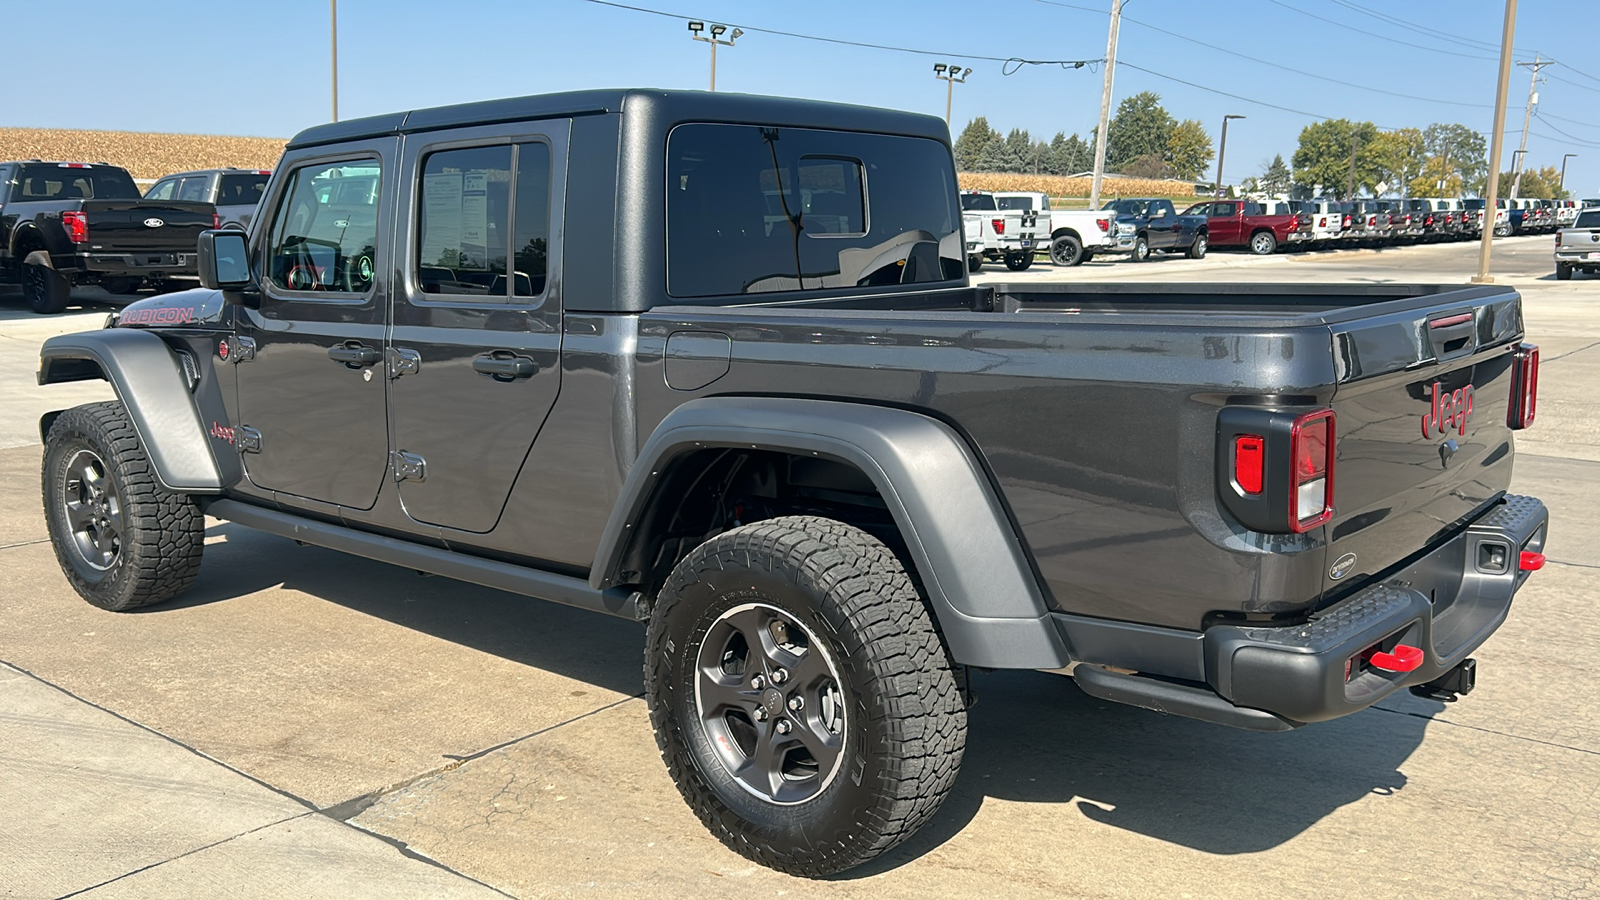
(93, 510)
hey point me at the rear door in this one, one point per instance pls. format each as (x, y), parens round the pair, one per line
(1223, 222)
(475, 348)
(1422, 437)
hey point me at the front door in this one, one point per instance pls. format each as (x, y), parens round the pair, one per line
(475, 350)
(311, 400)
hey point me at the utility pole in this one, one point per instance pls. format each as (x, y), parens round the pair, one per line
(1492, 188)
(954, 75)
(1105, 106)
(1222, 150)
(1444, 172)
(333, 39)
(715, 39)
(1527, 115)
(1561, 186)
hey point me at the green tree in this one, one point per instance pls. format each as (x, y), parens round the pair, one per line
(1150, 165)
(1069, 154)
(1540, 184)
(1019, 151)
(1277, 179)
(1189, 149)
(1439, 177)
(1399, 155)
(1141, 127)
(993, 158)
(970, 145)
(1323, 157)
(1461, 153)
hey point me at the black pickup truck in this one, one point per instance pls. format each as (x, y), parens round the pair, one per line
(66, 223)
(561, 346)
(1148, 224)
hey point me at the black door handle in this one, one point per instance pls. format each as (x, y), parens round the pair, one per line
(354, 355)
(504, 366)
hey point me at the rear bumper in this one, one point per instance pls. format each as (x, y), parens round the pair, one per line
(155, 264)
(1447, 603)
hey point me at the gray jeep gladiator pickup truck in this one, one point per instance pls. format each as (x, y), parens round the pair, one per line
(563, 346)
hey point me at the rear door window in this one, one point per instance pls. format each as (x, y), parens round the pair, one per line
(1223, 210)
(163, 190)
(464, 221)
(241, 190)
(193, 188)
(757, 210)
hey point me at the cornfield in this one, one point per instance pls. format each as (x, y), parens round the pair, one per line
(144, 155)
(1062, 186)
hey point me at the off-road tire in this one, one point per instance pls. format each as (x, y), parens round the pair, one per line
(1197, 249)
(1018, 262)
(1066, 250)
(1563, 272)
(45, 290)
(162, 533)
(905, 721)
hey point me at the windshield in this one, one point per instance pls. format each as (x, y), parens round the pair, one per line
(54, 182)
(1127, 207)
(981, 202)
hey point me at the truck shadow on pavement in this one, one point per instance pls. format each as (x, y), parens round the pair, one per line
(1032, 737)
(1035, 738)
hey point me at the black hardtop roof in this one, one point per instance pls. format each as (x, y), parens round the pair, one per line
(221, 170)
(59, 162)
(672, 106)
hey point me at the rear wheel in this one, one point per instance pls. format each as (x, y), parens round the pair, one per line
(1197, 250)
(974, 264)
(1263, 243)
(122, 539)
(801, 696)
(124, 285)
(1017, 262)
(1563, 272)
(45, 290)
(1066, 250)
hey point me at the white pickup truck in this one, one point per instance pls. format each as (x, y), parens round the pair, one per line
(1578, 247)
(1075, 234)
(994, 233)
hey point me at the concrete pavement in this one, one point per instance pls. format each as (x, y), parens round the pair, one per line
(304, 723)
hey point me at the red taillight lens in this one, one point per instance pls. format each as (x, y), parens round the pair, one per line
(1311, 482)
(77, 226)
(216, 220)
(1345, 223)
(999, 225)
(1558, 239)
(1372, 220)
(1524, 386)
(1249, 462)
(1105, 225)
(1322, 222)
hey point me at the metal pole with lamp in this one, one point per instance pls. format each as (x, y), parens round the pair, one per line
(952, 75)
(1222, 150)
(1561, 185)
(1497, 133)
(714, 39)
(333, 40)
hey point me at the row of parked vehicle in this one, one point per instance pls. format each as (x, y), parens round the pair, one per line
(1013, 226)
(67, 224)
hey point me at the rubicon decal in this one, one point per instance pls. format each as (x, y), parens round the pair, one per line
(161, 315)
(1450, 410)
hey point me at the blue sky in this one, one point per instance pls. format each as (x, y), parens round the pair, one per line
(261, 68)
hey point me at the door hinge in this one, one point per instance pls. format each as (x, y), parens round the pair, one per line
(248, 439)
(408, 466)
(236, 349)
(403, 361)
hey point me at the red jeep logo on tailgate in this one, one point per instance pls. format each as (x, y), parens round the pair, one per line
(1450, 410)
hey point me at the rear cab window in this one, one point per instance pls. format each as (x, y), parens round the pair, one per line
(57, 182)
(754, 209)
(1588, 219)
(978, 202)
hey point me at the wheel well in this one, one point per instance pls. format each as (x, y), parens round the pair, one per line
(1065, 232)
(26, 241)
(708, 491)
(1262, 229)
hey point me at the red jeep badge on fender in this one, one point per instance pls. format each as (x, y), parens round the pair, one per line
(1450, 410)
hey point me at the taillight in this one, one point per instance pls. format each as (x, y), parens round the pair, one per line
(1311, 484)
(1372, 220)
(1105, 225)
(1322, 222)
(216, 220)
(77, 226)
(1558, 239)
(999, 225)
(1345, 223)
(1249, 462)
(1524, 386)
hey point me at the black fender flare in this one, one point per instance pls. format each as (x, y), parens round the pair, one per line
(974, 568)
(150, 382)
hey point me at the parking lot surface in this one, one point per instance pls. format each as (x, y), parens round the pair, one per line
(306, 724)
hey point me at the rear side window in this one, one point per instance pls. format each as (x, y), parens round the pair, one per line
(163, 190)
(324, 236)
(1224, 209)
(754, 210)
(193, 188)
(463, 227)
(241, 190)
(68, 183)
(531, 243)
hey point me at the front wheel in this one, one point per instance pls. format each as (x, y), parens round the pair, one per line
(1263, 243)
(801, 696)
(1066, 250)
(122, 539)
(1018, 262)
(1197, 250)
(1141, 248)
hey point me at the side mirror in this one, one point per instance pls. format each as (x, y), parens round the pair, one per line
(224, 261)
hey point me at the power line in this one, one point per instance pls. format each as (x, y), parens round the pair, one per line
(1376, 35)
(829, 40)
(1581, 87)
(1545, 115)
(1579, 72)
(1313, 75)
(1460, 40)
(1587, 142)
(1298, 112)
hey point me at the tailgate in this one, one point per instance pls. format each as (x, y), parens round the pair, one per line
(1423, 442)
(146, 225)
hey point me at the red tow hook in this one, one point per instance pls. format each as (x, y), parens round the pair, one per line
(1403, 659)
(1530, 561)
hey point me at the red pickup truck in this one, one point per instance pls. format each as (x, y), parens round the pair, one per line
(1246, 223)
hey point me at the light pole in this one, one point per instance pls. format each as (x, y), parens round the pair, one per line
(333, 40)
(1516, 169)
(1561, 185)
(1222, 150)
(714, 39)
(1105, 106)
(1503, 85)
(953, 75)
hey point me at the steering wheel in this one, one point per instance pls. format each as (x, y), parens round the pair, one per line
(350, 276)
